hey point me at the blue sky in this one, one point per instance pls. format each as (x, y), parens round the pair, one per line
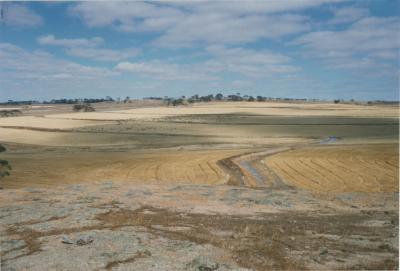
(325, 49)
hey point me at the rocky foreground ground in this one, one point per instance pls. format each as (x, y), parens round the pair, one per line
(117, 226)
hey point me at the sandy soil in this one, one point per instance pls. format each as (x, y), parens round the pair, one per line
(46, 123)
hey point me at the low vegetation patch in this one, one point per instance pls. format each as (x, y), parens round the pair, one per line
(83, 108)
(4, 165)
(10, 113)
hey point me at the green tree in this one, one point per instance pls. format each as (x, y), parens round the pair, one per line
(219, 97)
(261, 99)
(176, 102)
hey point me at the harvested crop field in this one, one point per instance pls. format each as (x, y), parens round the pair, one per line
(56, 167)
(210, 186)
(349, 168)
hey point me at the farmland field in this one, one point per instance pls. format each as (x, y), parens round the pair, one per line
(354, 168)
(160, 172)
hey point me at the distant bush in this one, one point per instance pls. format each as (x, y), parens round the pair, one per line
(11, 102)
(10, 113)
(261, 99)
(176, 102)
(74, 101)
(4, 165)
(235, 98)
(83, 107)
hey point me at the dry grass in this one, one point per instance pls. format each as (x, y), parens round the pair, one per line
(360, 168)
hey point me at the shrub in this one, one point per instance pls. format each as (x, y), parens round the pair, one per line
(176, 102)
(10, 113)
(83, 107)
(4, 165)
(261, 99)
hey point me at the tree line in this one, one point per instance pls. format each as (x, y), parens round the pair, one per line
(237, 97)
(219, 97)
(59, 101)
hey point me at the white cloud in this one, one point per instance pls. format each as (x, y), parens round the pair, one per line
(187, 23)
(368, 43)
(251, 6)
(226, 29)
(100, 54)
(243, 62)
(366, 35)
(247, 62)
(20, 64)
(128, 15)
(348, 15)
(122, 15)
(14, 14)
(52, 40)
(146, 68)
(239, 55)
(88, 48)
(156, 69)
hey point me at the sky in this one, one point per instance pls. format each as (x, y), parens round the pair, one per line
(322, 49)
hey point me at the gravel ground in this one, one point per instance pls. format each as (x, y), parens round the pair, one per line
(109, 226)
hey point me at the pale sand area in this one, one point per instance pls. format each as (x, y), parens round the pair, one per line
(53, 138)
(278, 109)
(75, 120)
(275, 109)
(10, 108)
(32, 129)
(75, 139)
(45, 123)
